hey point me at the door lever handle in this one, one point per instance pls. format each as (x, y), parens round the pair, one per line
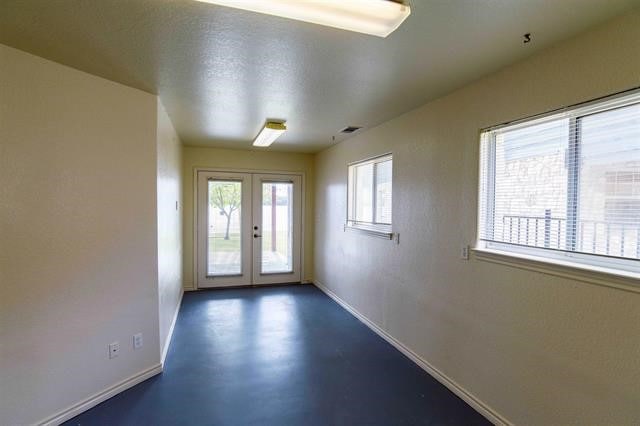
(256, 236)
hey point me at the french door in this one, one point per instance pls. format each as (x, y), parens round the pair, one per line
(248, 228)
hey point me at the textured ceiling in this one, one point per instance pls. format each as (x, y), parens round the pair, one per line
(221, 72)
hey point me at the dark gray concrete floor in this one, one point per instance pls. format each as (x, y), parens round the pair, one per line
(280, 356)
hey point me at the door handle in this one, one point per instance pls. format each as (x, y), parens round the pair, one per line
(256, 236)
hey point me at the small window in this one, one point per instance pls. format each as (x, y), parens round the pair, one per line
(566, 186)
(369, 195)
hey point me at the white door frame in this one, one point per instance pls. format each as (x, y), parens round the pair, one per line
(196, 170)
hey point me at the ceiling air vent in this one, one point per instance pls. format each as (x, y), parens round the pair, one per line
(350, 129)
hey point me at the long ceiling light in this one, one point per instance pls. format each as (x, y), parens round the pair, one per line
(269, 133)
(375, 17)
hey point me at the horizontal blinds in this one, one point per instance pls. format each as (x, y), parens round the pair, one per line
(568, 182)
(364, 193)
(370, 192)
(383, 192)
(609, 175)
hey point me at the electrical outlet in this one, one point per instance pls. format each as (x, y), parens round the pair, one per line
(464, 253)
(114, 350)
(396, 237)
(137, 341)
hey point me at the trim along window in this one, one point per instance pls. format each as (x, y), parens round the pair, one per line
(565, 186)
(369, 195)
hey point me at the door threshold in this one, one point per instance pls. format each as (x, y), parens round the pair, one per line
(250, 286)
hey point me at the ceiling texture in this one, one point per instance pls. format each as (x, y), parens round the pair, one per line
(221, 72)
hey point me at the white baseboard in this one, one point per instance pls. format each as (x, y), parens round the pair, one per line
(167, 342)
(102, 396)
(99, 397)
(454, 387)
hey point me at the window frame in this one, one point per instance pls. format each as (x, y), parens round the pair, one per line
(607, 264)
(374, 228)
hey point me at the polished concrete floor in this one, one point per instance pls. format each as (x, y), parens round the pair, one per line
(280, 356)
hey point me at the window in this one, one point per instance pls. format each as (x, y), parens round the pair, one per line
(566, 186)
(369, 195)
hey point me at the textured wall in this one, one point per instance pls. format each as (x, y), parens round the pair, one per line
(78, 244)
(538, 349)
(194, 157)
(169, 222)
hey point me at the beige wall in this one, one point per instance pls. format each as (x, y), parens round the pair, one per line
(78, 243)
(169, 185)
(194, 157)
(536, 348)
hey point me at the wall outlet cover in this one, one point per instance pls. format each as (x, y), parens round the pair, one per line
(464, 253)
(114, 350)
(137, 341)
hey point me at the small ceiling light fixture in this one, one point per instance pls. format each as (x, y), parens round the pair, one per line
(375, 17)
(269, 133)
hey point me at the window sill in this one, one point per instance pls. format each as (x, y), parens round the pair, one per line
(387, 235)
(622, 280)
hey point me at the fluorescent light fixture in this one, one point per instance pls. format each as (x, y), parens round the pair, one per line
(269, 133)
(375, 17)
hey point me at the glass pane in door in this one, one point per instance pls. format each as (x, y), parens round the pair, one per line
(277, 227)
(224, 255)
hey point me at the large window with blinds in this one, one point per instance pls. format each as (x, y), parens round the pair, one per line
(566, 185)
(369, 194)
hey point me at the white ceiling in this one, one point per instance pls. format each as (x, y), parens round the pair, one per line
(221, 72)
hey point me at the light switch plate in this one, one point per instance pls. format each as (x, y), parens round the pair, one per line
(464, 253)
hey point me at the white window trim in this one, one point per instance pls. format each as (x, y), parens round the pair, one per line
(604, 103)
(621, 273)
(365, 229)
(601, 276)
(381, 230)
